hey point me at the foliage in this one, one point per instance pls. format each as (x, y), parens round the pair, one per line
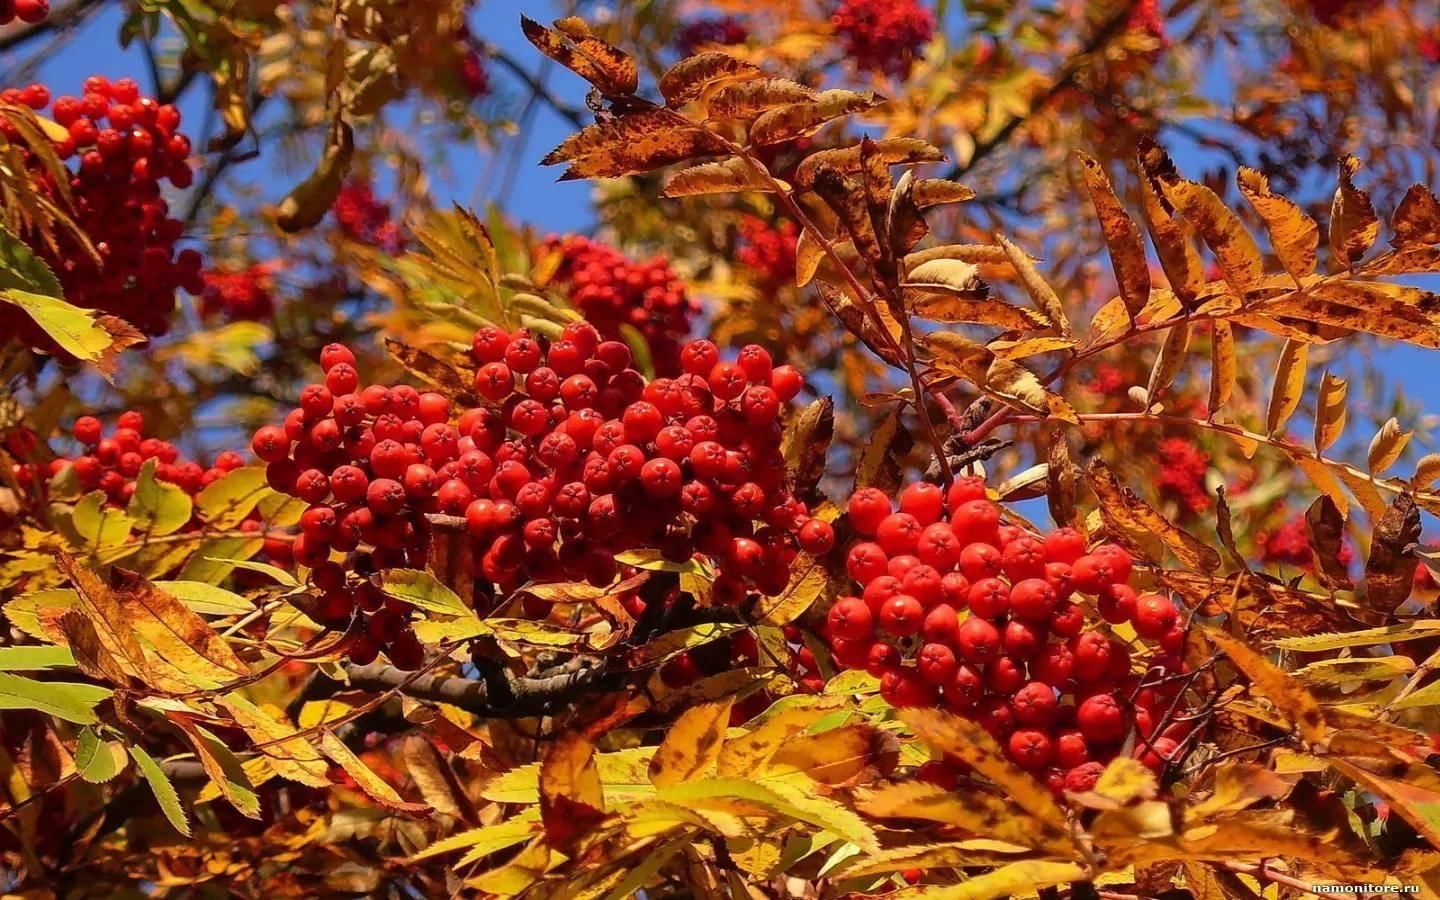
(551, 580)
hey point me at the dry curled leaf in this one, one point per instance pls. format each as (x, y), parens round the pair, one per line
(1353, 223)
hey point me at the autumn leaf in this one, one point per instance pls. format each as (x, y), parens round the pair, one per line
(795, 120)
(1293, 234)
(572, 800)
(1122, 237)
(692, 744)
(1329, 411)
(1290, 698)
(1417, 219)
(846, 160)
(692, 76)
(609, 69)
(1130, 520)
(1353, 223)
(1389, 569)
(980, 814)
(1289, 386)
(727, 176)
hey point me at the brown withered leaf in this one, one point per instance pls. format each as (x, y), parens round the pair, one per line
(1223, 369)
(176, 632)
(1388, 310)
(1173, 244)
(371, 784)
(750, 98)
(1005, 380)
(972, 745)
(1390, 568)
(1293, 234)
(975, 254)
(430, 369)
(1225, 530)
(1417, 218)
(1040, 291)
(1235, 250)
(800, 119)
(311, 199)
(936, 191)
(90, 655)
(631, 144)
(860, 324)
(973, 812)
(749, 753)
(1353, 223)
(114, 630)
(572, 800)
(905, 226)
(1063, 480)
(1290, 698)
(610, 70)
(692, 744)
(847, 198)
(691, 77)
(1329, 411)
(894, 152)
(1386, 446)
(1427, 471)
(952, 309)
(1130, 521)
(1122, 236)
(1289, 386)
(805, 443)
(879, 465)
(723, 177)
(1326, 525)
(1168, 361)
(854, 753)
(955, 277)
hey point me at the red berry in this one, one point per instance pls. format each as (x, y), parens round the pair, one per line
(1154, 616)
(868, 507)
(1100, 719)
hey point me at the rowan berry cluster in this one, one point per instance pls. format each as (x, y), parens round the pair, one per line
(112, 462)
(365, 219)
(127, 146)
(611, 291)
(28, 11)
(243, 295)
(957, 609)
(1289, 545)
(1183, 466)
(768, 251)
(883, 35)
(724, 30)
(574, 458)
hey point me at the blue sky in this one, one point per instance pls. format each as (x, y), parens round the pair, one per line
(535, 196)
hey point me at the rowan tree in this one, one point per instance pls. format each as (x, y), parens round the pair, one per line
(964, 461)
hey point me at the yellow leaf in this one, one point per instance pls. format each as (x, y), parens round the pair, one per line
(1329, 411)
(972, 745)
(1417, 218)
(1289, 385)
(1387, 445)
(1043, 295)
(1132, 521)
(1122, 237)
(692, 744)
(1290, 698)
(799, 119)
(691, 77)
(808, 254)
(1293, 234)
(570, 777)
(1015, 880)
(750, 98)
(1353, 223)
(224, 769)
(809, 581)
(1173, 245)
(610, 70)
(365, 778)
(1235, 250)
(1003, 379)
(1168, 361)
(310, 200)
(846, 160)
(1222, 365)
(289, 754)
(748, 753)
(726, 176)
(177, 633)
(972, 811)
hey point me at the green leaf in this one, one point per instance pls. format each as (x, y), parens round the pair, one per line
(1384, 634)
(654, 562)
(423, 590)
(158, 507)
(487, 839)
(63, 699)
(21, 270)
(274, 572)
(25, 659)
(164, 791)
(226, 502)
(98, 526)
(93, 758)
(214, 560)
(793, 800)
(673, 643)
(76, 330)
(207, 599)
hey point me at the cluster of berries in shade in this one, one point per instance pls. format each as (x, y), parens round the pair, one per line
(1289, 545)
(724, 30)
(365, 219)
(239, 296)
(127, 146)
(883, 35)
(28, 11)
(474, 78)
(573, 458)
(768, 251)
(1183, 466)
(611, 291)
(955, 608)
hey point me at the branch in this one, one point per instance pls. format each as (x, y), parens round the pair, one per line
(536, 88)
(1068, 74)
(532, 694)
(60, 20)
